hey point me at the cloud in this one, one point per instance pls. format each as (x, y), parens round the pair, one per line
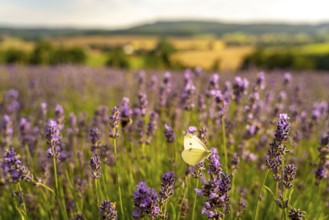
(116, 13)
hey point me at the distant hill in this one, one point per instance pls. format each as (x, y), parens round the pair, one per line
(174, 28)
(219, 28)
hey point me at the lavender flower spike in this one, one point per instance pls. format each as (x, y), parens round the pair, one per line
(146, 202)
(108, 211)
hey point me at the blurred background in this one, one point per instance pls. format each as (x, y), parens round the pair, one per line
(216, 35)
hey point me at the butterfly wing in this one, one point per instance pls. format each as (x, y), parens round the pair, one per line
(194, 156)
(192, 141)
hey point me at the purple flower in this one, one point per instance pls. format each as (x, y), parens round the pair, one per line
(287, 79)
(239, 88)
(187, 96)
(95, 164)
(165, 89)
(212, 85)
(108, 210)
(59, 116)
(260, 81)
(295, 214)
(146, 202)
(154, 82)
(289, 174)
(54, 140)
(126, 113)
(221, 105)
(323, 165)
(151, 126)
(169, 134)
(187, 76)
(216, 190)
(142, 103)
(278, 149)
(192, 130)
(114, 122)
(167, 185)
(95, 138)
(13, 166)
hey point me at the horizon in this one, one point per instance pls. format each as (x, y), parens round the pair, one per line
(142, 23)
(120, 14)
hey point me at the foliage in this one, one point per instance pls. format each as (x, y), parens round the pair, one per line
(161, 56)
(42, 53)
(117, 58)
(285, 59)
(74, 55)
(15, 56)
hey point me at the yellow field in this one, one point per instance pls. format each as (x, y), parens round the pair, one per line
(11, 42)
(138, 42)
(191, 51)
(229, 58)
(141, 42)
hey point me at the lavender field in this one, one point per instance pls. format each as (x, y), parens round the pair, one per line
(83, 143)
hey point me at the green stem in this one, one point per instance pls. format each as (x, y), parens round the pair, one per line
(57, 192)
(97, 194)
(181, 204)
(44, 186)
(55, 175)
(118, 179)
(224, 145)
(30, 160)
(21, 191)
(283, 210)
(258, 197)
(194, 202)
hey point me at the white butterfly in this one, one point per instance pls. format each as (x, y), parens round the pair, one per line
(194, 150)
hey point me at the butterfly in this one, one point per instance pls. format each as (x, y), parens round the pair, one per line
(194, 150)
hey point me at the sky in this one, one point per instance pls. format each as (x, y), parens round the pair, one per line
(114, 14)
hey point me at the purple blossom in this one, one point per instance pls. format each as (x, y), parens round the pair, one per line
(167, 185)
(13, 166)
(212, 85)
(239, 88)
(260, 81)
(287, 79)
(126, 113)
(323, 165)
(108, 211)
(142, 103)
(151, 126)
(95, 139)
(275, 154)
(216, 190)
(165, 89)
(154, 82)
(188, 96)
(95, 164)
(187, 76)
(54, 140)
(169, 134)
(114, 122)
(146, 202)
(59, 116)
